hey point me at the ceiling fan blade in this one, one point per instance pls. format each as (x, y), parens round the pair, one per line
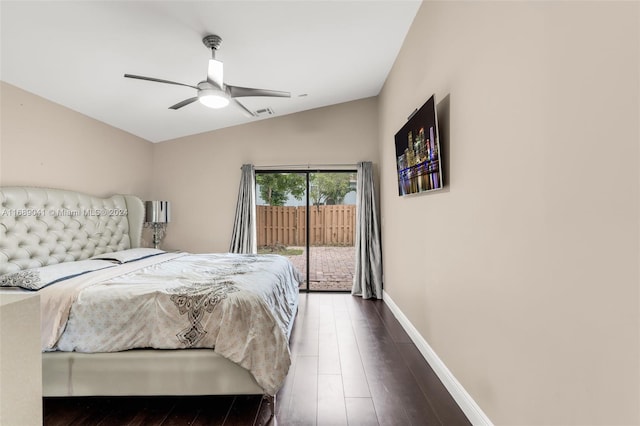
(215, 73)
(246, 110)
(158, 80)
(238, 92)
(184, 103)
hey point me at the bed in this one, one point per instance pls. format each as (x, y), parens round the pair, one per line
(120, 319)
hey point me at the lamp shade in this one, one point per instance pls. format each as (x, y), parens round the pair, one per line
(157, 212)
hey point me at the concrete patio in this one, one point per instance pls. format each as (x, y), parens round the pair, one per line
(331, 268)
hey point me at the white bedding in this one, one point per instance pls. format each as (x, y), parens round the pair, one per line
(242, 306)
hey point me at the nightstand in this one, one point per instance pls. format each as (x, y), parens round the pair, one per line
(20, 359)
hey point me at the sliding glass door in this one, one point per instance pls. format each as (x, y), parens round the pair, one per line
(309, 216)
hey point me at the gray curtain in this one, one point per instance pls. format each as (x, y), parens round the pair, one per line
(244, 237)
(367, 281)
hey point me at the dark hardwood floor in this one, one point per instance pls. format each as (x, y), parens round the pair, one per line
(353, 364)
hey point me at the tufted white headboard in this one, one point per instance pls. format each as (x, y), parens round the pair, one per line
(40, 226)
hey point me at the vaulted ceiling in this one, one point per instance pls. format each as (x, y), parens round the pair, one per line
(75, 53)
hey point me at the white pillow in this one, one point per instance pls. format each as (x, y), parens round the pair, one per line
(129, 255)
(37, 278)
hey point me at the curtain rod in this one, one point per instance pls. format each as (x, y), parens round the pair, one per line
(308, 166)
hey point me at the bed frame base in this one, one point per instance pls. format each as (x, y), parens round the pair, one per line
(145, 372)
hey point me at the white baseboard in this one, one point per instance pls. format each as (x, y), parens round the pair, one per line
(473, 412)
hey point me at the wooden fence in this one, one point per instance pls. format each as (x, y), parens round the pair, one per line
(328, 225)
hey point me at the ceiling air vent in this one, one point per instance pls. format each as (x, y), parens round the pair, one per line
(264, 111)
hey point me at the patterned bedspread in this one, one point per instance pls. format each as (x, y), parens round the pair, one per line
(242, 306)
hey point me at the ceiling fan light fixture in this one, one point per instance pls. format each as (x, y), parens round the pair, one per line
(213, 98)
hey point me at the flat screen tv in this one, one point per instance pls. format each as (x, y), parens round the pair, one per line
(418, 152)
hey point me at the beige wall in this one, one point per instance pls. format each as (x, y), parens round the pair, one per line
(45, 144)
(523, 274)
(200, 174)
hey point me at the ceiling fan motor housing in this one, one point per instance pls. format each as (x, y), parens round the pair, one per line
(212, 41)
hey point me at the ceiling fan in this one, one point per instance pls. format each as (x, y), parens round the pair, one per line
(213, 92)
